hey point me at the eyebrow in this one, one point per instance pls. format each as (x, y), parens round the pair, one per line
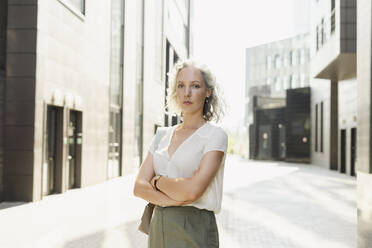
(195, 81)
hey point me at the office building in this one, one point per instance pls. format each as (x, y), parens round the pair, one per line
(83, 89)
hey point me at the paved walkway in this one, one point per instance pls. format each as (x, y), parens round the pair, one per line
(266, 204)
(278, 205)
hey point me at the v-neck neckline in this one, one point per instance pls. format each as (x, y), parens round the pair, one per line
(184, 141)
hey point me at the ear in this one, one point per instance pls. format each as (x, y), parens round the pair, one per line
(209, 93)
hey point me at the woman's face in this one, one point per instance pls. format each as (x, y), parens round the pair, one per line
(191, 90)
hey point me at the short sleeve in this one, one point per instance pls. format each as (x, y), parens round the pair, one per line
(217, 141)
(152, 145)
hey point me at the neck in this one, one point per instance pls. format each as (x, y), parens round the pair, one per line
(192, 121)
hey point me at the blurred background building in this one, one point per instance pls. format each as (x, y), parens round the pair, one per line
(273, 68)
(340, 93)
(273, 71)
(333, 84)
(82, 89)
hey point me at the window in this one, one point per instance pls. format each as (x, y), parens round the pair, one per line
(303, 56)
(116, 86)
(317, 37)
(322, 32)
(78, 4)
(316, 128)
(278, 84)
(294, 58)
(268, 62)
(278, 62)
(333, 16)
(321, 126)
(303, 79)
(294, 81)
(286, 60)
(286, 82)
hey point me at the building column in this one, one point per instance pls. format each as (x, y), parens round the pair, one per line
(364, 127)
(20, 174)
(334, 126)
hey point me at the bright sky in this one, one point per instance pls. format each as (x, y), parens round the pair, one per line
(222, 31)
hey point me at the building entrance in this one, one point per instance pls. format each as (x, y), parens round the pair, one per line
(74, 149)
(353, 151)
(53, 137)
(343, 151)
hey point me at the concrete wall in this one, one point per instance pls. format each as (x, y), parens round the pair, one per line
(320, 92)
(74, 60)
(364, 135)
(347, 116)
(59, 56)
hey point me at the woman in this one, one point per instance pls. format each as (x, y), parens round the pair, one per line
(183, 176)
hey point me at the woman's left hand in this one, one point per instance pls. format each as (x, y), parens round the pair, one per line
(152, 182)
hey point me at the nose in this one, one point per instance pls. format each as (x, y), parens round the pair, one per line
(187, 91)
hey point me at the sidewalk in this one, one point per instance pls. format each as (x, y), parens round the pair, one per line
(104, 215)
(265, 205)
(274, 204)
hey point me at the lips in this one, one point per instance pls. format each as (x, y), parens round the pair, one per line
(187, 102)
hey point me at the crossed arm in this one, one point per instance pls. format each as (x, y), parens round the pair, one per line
(176, 191)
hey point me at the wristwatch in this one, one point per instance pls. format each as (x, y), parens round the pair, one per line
(156, 178)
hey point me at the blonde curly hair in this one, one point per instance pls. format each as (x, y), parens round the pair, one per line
(213, 107)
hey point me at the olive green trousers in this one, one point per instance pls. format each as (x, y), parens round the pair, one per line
(183, 227)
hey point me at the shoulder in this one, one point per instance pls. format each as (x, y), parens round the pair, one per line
(164, 129)
(213, 131)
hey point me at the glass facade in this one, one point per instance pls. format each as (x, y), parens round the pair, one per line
(294, 58)
(268, 62)
(3, 17)
(278, 62)
(138, 108)
(117, 37)
(116, 86)
(2, 34)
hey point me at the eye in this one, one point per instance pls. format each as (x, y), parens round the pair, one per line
(179, 85)
(196, 86)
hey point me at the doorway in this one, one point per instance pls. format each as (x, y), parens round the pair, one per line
(281, 143)
(52, 155)
(265, 142)
(343, 151)
(353, 151)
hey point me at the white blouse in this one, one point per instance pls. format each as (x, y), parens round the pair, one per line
(186, 159)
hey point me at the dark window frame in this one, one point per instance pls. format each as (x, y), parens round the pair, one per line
(321, 127)
(316, 128)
